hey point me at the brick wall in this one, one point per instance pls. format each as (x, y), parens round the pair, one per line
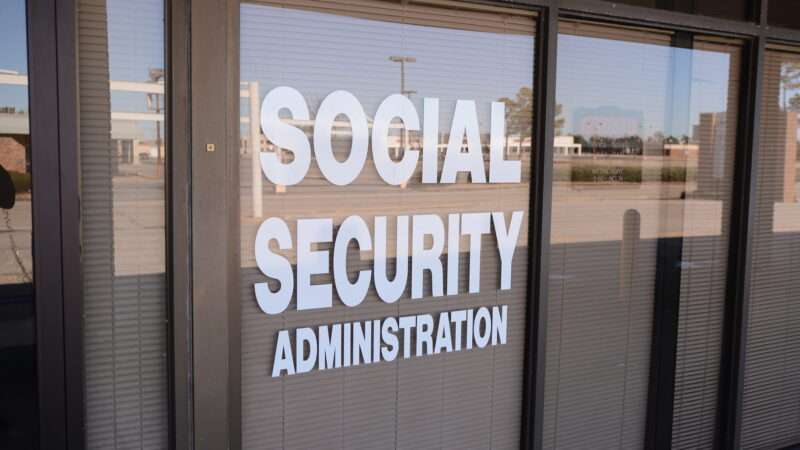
(12, 153)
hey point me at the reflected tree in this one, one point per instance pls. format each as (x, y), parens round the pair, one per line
(519, 114)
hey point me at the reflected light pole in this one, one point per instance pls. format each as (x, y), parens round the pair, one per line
(403, 60)
(154, 103)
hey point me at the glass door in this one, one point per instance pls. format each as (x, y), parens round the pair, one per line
(384, 174)
(642, 194)
(381, 177)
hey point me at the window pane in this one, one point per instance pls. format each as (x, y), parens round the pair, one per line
(463, 399)
(783, 13)
(729, 9)
(16, 261)
(18, 382)
(643, 170)
(122, 154)
(771, 414)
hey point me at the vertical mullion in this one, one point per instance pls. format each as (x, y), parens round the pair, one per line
(46, 216)
(66, 55)
(664, 344)
(178, 231)
(740, 254)
(762, 8)
(233, 261)
(667, 289)
(539, 222)
(211, 245)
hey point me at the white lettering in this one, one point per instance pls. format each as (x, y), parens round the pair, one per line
(474, 225)
(353, 228)
(465, 121)
(499, 324)
(283, 356)
(444, 341)
(430, 141)
(390, 291)
(500, 170)
(394, 173)
(389, 337)
(426, 259)
(506, 243)
(482, 327)
(274, 265)
(341, 102)
(330, 347)
(309, 232)
(305, 360)
(285, 136)
(424, 334)
(453, 252)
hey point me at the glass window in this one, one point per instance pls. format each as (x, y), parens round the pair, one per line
(783, 13)
(731, 9)
(16, 260)
(417, 54)
(643, 173)
(771, 412)
(122, 155)
(18, 412)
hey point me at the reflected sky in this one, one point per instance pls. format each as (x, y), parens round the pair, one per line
(353, 54)
(12, 51)
(662, 88)
(317, 53)
(135, 40)
(12, 36)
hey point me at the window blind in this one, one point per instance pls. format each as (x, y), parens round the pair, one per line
(771, 403)
(458, 400)
(652, 129)
(703, 282)
(122, 215)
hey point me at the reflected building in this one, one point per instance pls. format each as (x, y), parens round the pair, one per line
(566, 146)
(14, 141)
(714, 135)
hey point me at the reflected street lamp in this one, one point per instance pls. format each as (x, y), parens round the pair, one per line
(403, 60)
(154, 103)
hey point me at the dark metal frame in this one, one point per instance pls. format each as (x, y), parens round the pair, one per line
(729, 410)
(205, 390)
(664, 344)
(666, 315)
(732, 373)
(539, 229)
(56, 221)
(212, 247)
(756, 35)
(179, 222)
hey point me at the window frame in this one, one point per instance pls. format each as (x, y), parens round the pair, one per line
(56, 221)
(52, 38)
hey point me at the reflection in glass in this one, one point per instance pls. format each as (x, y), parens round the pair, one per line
(731, 9)
(18, 412)
(373, 51)
(643, 169)
(122, 157)
(771, 412)
(16, 261)
(783, 13)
